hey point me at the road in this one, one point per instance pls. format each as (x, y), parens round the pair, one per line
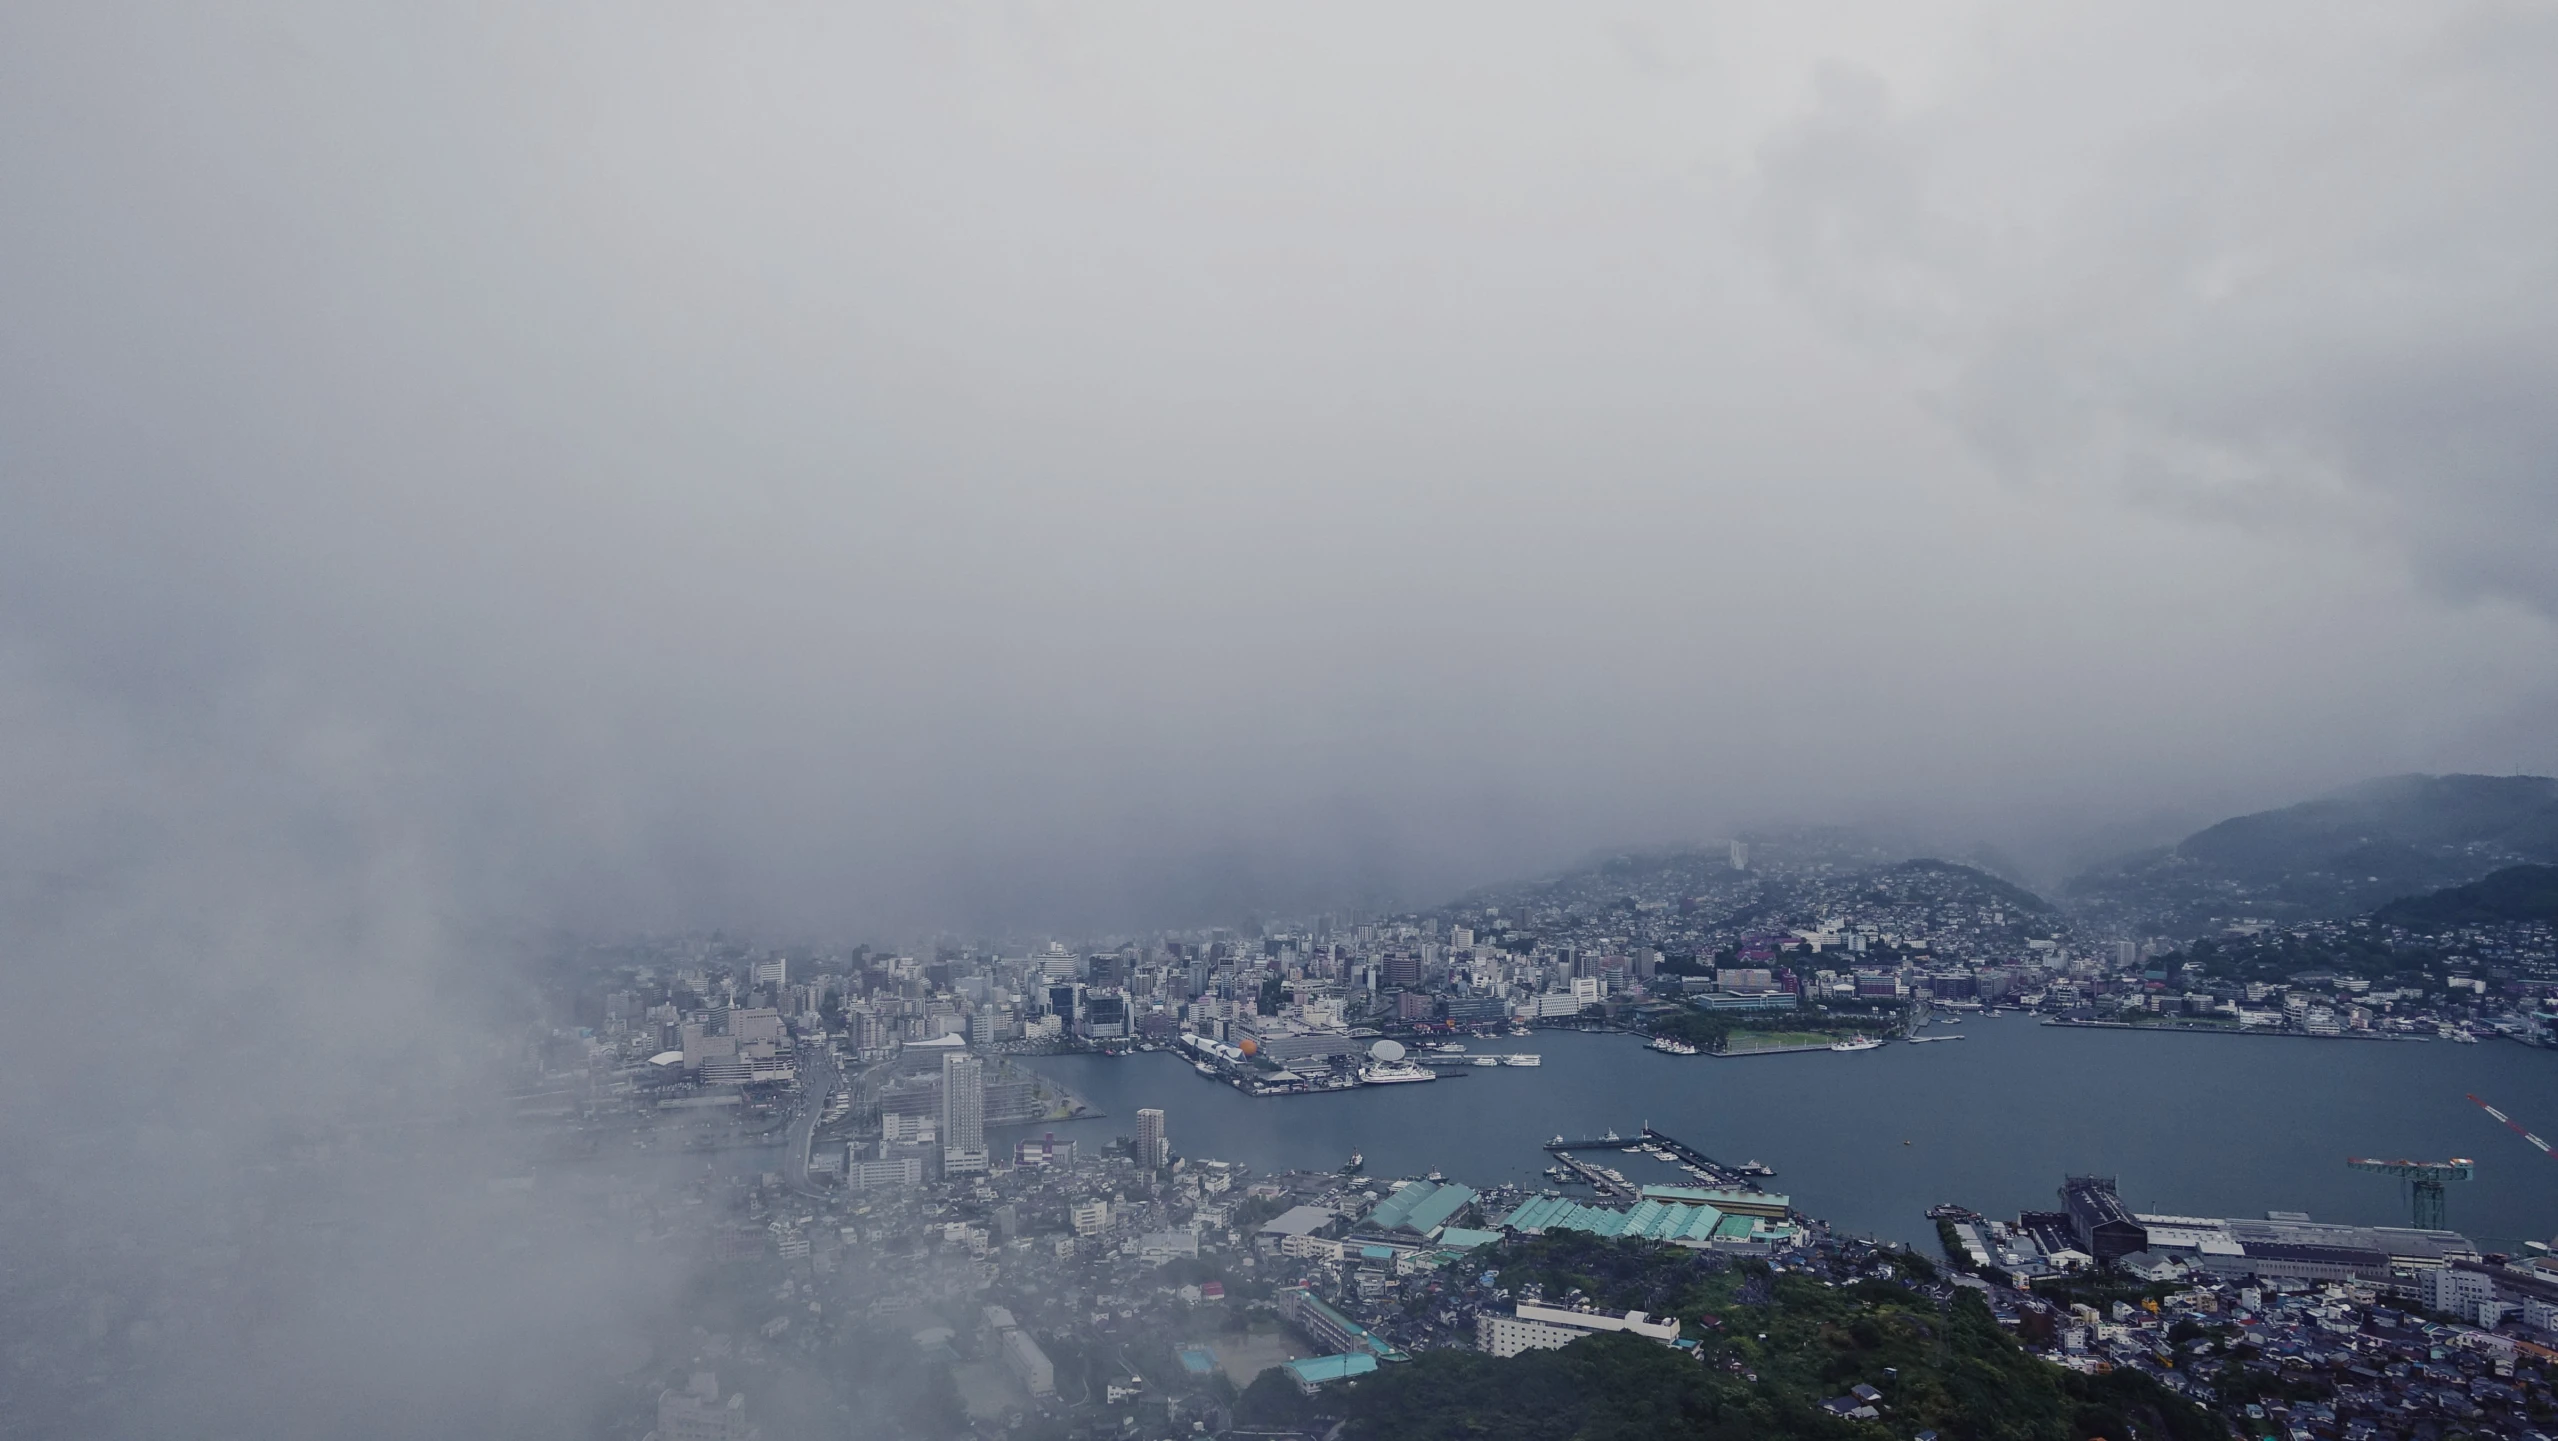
(816, 1082)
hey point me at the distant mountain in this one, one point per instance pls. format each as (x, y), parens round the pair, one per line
(2339, 855)
(2516, 893)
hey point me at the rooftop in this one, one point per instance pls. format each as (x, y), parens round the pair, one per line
(1315, 1370)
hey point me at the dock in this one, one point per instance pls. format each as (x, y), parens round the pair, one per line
(1594, 1178)
(1726, 1177)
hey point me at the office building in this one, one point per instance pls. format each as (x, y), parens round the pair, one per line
(1105, 1016)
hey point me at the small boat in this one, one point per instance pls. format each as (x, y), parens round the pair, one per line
(1612, 1135)
(1858, 1043)
(1754, 1168)
(1523, 1059)
(1356, 1161)
(1432, 1177)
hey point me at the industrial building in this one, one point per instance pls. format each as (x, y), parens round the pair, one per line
(1733, 1221)
(1292, 1225)
(2097, 1229)
(2104, 1226)
(1419, 1207)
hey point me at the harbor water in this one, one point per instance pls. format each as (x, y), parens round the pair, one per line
(2191, 1124)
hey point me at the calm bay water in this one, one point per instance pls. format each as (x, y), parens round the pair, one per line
(2202, 1125)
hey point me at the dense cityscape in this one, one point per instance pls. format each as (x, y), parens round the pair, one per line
(1145, 1286)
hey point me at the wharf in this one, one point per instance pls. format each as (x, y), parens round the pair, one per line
(1596, 1179)
(2183, 1029)
(1728, 1177)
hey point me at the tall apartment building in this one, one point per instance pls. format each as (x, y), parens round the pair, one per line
(963, 1113)
(1154, 1151)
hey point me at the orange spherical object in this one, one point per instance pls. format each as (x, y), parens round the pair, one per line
(1250, 1045)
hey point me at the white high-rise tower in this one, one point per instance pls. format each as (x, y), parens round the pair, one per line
(963, 1114)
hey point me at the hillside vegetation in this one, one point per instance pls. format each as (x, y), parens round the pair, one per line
(2516, 893)
(2340, 855)
(1773, 1348)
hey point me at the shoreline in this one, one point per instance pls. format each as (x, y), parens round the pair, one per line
(2226, 1031)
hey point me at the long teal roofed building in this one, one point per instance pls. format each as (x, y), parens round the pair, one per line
(1683, 1222)
(1313, 1372)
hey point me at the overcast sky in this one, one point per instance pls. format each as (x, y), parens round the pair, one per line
(857, 468)
(832, 471)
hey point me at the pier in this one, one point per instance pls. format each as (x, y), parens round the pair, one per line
(1593, 1177)
(1727, 1177)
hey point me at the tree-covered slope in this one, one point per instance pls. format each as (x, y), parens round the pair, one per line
(1773, 1348)
(2516, 893)
(2339, 855)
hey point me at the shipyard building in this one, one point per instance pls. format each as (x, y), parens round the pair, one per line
(2095, 1228)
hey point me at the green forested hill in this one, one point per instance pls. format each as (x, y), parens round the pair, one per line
(1773, 1349)
(2516, 893)
(2325, 859)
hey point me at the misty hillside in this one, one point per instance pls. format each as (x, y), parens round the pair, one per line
(2342, 854)
(2516, 893)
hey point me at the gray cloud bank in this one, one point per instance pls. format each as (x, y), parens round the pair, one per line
(843, 468)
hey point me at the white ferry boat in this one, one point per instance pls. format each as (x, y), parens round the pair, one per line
(1523, 1060)
(1858, 1043)
(1394, 1073)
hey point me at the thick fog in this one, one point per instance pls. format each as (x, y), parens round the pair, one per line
(1034, 464)
(825, 470)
